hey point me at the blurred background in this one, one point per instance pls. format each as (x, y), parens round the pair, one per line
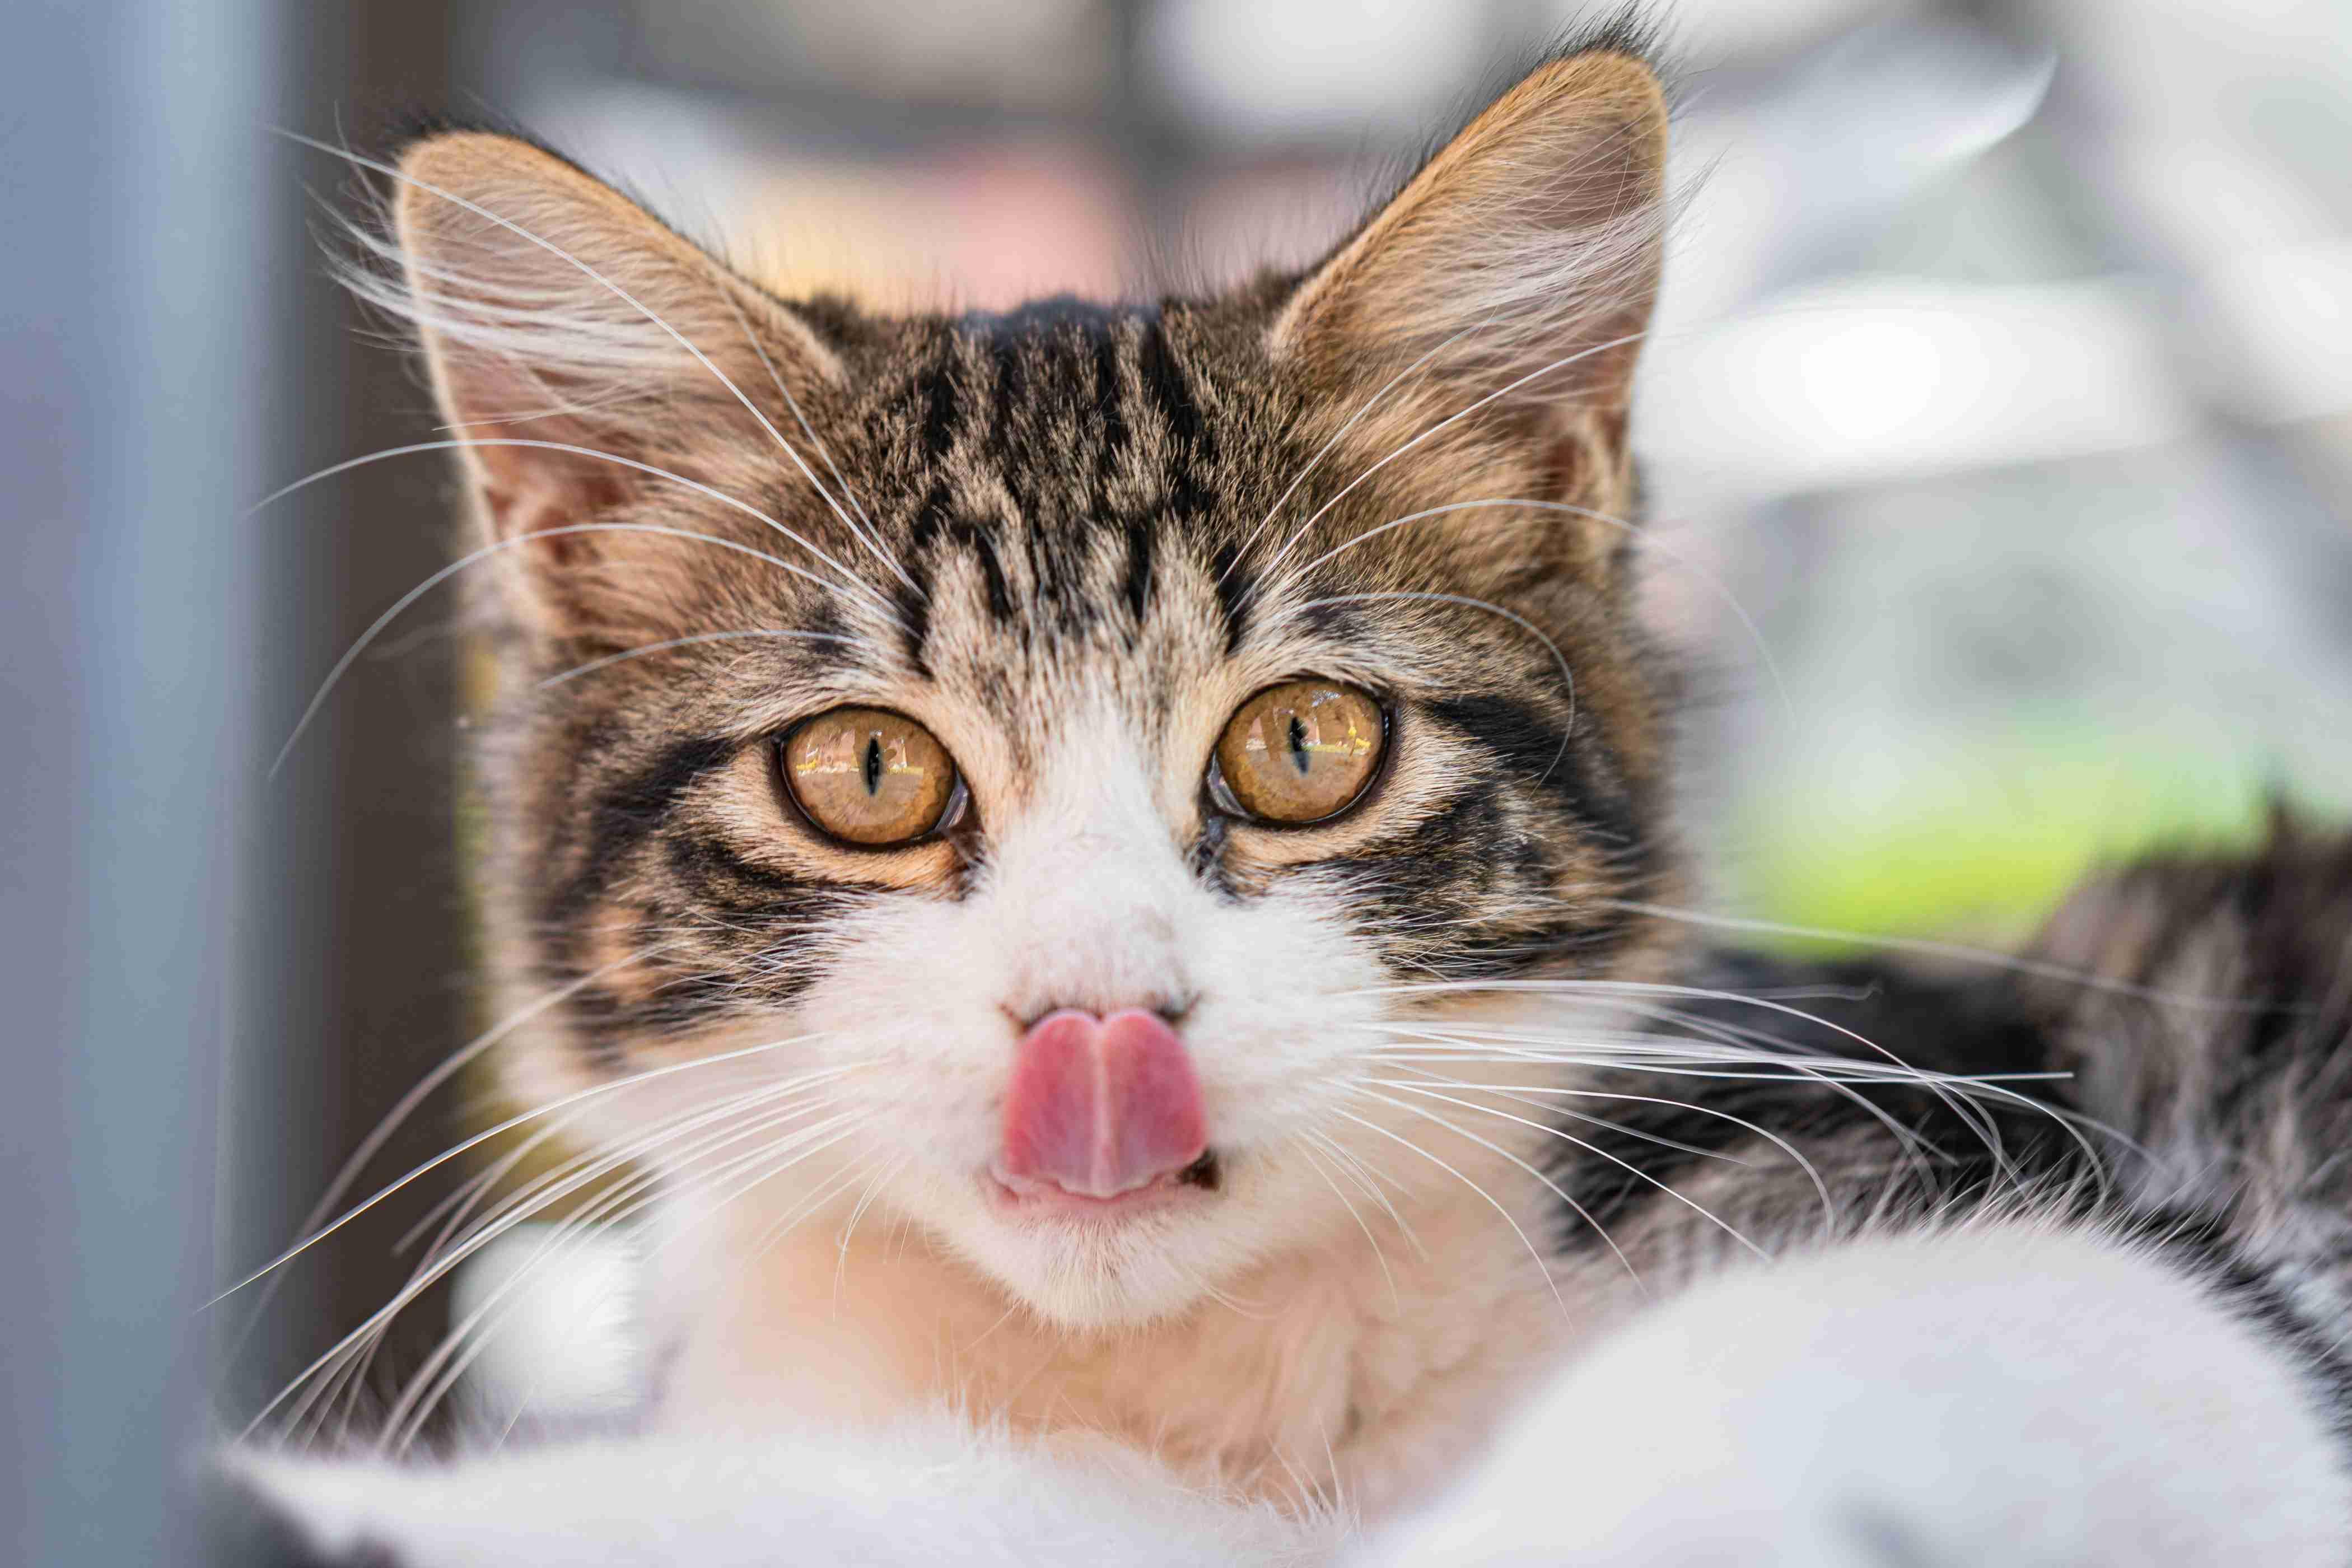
(2003, 380)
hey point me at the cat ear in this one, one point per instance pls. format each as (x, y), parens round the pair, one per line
(1522, 260)
(571, 334)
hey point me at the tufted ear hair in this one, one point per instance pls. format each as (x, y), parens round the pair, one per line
(1521, 262)
(577, 341)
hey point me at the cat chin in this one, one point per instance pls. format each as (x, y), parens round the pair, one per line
(1095, 1266)
(1122, 1274)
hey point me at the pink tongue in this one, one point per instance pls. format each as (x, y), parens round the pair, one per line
(1101, 1108)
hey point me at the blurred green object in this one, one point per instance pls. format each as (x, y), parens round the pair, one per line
(1983, 842)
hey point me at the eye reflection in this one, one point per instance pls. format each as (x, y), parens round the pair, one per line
(868, 776)
(1301, 751)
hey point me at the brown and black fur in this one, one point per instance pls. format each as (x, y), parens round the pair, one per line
(2178, 1038)
(1065, 481)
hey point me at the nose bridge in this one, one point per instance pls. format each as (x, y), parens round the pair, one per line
(1090, 889)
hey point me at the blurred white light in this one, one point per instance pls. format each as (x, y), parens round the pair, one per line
(556, 1331)
(1880, 378)
(2285, 317)
(1245, 68)
(1879, 372)
(1711, 30)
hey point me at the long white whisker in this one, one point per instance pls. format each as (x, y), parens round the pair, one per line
(1958, 951)
(601, 282)
(1595, 1148)
(840, 1182)
(406, 1105)
(1396, 1302)
(1650, 542)
(594, 665)
(466, 1342)
(1836, 1074)
(851, 583)
(1541, 1266)
(449, 1217)
(852, 1120)
(1658, 988)
(1567, 677)
(1553, 1187)
(867, 536)
(1455, 418)
(507, 1125)
(1312, 463)
(849, 1227)
(793, 1091)
(1524, 1093)
(356, 1348)
(1367, 1180)
(578, 1174)
(376, 627)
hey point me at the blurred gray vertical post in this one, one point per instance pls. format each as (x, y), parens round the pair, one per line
(131, 334)
(357, 932)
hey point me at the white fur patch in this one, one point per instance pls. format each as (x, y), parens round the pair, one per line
(2012, 1394)
(929, 1493)
(2008, 1394)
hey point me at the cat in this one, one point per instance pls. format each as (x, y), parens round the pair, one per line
(1112, 871)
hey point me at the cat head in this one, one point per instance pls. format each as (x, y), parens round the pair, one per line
(1025, 771)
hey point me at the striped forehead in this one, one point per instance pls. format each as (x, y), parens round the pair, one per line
(1070, 481)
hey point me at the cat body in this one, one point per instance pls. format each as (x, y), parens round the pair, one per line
(1110, 871)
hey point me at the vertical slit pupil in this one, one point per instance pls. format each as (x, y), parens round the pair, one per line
(873, 763)
(1299, 757)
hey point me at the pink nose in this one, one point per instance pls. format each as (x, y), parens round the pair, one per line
(1100, 1107)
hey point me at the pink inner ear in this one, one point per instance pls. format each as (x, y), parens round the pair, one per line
(1101, 1107)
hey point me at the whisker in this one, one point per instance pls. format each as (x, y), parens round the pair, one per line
(356, 1348)
(1958, 951)
(1836, 1074)
(1567, 677)
(1553, 1187)
(1300, 477)
(1589, 1148)
(1366, 1182)
(1523, 1094)
(406, 1105)
(849, 1227)
(451, 1213)
(869, 538)
(815, 1202)
(1658, 988)
(576, 1174)
(852, 583)
(1650, 542)
(1658, 1054)
(1455, 418)
(507, 1125)
(1517, 1091)
(603, 282)
(465, 1342)
(1492, 1202)
(795, 1093)
(594, 665)
(495, 547)
(1396, 1302)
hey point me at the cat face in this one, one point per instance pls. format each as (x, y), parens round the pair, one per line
(1021, 773)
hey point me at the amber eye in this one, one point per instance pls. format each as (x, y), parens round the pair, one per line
(869, 775)
(1301, 751)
